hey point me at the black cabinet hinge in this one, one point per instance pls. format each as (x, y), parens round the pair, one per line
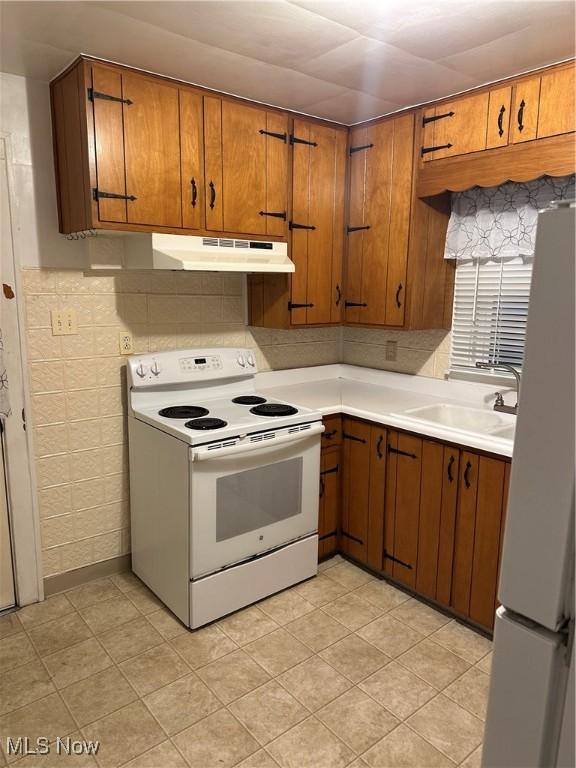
(294, 225)
(92, 94)
(426, 150)
(357, 229)
(355, 304)
(346, 436)
(388, 556)
(282, 136)
(401, 453)
(433, 118)
(331, 471)
(296, 140)
(97, 194)
(274, 214)
(353, 538)
(360, 148)
(292, 305)
(327, 535)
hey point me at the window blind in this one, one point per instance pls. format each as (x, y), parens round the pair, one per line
(490, 312)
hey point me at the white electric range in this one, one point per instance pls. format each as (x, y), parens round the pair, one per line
(223, 483)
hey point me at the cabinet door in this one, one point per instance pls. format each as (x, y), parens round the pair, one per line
(499, 105)
(359, 153)
(330, 501)
(213, 163)
(461, 132)
(152, 147)
(317, 223)
(192, 159)
(379, 221)
(376, 499)
(450, 475)
(557, 112)
(109, 143)
(489, 510)
(402, 507)
(477, 536)
(430, 518)
(524, 118)
(246, 155)
(356, 488)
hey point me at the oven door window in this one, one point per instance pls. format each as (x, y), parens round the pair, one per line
(255, 498)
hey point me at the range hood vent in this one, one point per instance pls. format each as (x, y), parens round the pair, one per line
(189, 252)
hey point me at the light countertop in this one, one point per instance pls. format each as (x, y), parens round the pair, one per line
(381, 396)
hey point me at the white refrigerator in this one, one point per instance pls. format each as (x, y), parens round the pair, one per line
(530, 720)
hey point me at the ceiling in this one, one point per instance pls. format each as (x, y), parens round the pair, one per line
(344, 61)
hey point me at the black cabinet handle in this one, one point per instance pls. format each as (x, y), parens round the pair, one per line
(398, 290)
(450, 465)
(521, 116)
(330, 435)
(322, 487)
(467, 474)
(338, 295)
(379, 447)
(194, 193)
(501, 120)
(212, 194)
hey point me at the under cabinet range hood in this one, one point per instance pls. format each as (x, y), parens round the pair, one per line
(188, 252)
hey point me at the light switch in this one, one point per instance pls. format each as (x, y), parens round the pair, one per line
(64, 322)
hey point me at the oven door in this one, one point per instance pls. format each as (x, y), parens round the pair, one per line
(253, 497)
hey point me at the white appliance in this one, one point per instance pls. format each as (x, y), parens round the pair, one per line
(223, 483)
(530, 718)
(187, 252)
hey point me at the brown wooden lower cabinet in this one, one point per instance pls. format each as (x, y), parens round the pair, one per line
(428, 515)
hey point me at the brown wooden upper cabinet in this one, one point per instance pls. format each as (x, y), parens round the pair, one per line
(136, 148)
(455, 127)
(498, 127)
(317, 223)
(381, 157)
(246, 168)
(192, 159)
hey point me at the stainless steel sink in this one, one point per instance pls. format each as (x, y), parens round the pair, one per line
(463, 419)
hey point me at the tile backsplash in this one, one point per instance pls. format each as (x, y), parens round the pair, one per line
(78, 384)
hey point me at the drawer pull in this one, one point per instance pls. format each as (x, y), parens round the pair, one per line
(398, 291)
(379, 447)
(521, 116)
(501, 120)
(338, 295)
(194, 193)
(467, 474)
(449, 470)
(212, 194)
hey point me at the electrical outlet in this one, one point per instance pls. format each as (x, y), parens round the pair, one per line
(64, 322)
(126, 343)
(391, 350)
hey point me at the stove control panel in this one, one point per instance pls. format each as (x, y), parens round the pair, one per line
(189, 365)
(212, 362)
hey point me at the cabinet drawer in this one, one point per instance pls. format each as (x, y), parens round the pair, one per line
(332, 435)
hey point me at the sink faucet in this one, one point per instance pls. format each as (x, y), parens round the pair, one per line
(499, 404)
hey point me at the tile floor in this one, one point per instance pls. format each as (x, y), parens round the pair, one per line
(342, 670)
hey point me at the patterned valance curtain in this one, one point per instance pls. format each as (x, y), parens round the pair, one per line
(500, 222)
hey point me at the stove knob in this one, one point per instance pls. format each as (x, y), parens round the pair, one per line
(141, 370)
(240, 360)
(250, 359)
(155, 368)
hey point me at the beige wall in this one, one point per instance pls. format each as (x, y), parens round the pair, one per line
(79, 392)
(419, 352)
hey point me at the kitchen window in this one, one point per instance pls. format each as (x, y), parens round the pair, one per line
(492, 237)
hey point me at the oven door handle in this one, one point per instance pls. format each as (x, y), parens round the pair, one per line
(315, 429)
